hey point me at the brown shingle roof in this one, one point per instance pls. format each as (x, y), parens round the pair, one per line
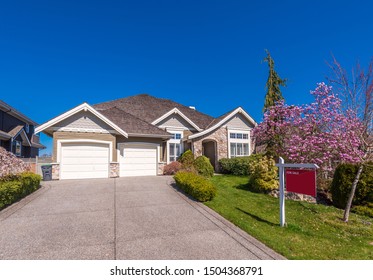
(15, 130)
(149, 108)
(130, 123)
(218, 119)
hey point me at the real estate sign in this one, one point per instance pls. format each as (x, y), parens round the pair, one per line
(301, 181)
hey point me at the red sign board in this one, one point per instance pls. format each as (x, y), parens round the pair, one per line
(301, 181)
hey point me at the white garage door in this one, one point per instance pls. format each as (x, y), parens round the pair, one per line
(84, 160)
(138, 160)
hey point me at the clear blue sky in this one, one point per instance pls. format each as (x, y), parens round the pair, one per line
(55, 55)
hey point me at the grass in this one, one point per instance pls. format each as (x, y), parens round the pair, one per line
(313, 231)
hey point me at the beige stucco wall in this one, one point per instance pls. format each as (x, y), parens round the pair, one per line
(62, 135)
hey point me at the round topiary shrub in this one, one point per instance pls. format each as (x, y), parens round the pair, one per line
(187, 159)
(203, 166)
(343, 178)
(264, 176)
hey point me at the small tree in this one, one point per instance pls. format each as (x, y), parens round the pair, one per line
(318, 133)
(273, 94)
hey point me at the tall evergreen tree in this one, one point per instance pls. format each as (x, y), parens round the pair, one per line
(273, 84)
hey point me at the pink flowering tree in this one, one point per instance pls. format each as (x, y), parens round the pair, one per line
(10, 164)
(320, 132)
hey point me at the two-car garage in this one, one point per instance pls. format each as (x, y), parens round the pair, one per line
(80, 160)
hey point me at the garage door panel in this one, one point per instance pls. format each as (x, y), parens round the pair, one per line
(138, 160)
(142, 160)
(84, 160)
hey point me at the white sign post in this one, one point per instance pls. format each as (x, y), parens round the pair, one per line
(281, 169)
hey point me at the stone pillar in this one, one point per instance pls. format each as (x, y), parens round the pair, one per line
(55, 171)
(161, 166)
(114, 170)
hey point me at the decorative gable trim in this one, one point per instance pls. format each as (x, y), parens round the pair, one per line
(176, 111)
(239, 110)
(25, 140)
(75, 110)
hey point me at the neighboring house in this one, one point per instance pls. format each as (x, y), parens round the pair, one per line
(17, 132)
(138, 135)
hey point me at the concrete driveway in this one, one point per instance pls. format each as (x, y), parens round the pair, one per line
(123, 218)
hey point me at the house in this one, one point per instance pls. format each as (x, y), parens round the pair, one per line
(138, 135)
(17, 133)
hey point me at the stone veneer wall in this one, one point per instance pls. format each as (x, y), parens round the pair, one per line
(221, 138)
(161, 166)
(114, 170)
(55, 171)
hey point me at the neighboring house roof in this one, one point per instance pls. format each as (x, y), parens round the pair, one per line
(82, 107)
(12, 111)
(18, 130)
(4, 135)
(149, 109)
(14, 132)
(133, 125)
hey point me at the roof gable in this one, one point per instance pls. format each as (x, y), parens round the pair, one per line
(83, 107)
(177, 112)
(222, 120)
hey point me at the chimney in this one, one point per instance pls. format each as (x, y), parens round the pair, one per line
(192, 107)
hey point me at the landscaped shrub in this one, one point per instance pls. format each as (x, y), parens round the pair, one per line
(264, 176)
(187, 159)
(172, 168)
(366, 210)
(15, 187)
(343, 178)
(10, 164)
(203, 166)
(238, 165)
(195, 185)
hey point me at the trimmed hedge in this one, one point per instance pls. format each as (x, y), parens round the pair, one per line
(239, 166)
(343, 178)
(195, 185)
(203, 166)
(15, 187)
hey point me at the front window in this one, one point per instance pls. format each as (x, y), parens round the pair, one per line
(239, 143)
(239, 149)
(175, 145)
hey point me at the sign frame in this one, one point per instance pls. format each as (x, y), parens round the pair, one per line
(281, 170)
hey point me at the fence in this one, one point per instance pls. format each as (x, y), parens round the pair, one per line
(37, 163)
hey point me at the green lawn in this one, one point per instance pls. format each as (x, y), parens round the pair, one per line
(312, 232)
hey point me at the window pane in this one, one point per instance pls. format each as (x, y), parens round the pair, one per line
(246, 149)
(245, 136)
(172, 149)
(178, 150)
(239, 149)
(233, 149)
(177, 136)
(232, 135)
(239, 135)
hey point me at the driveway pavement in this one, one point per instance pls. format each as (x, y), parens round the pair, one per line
(123, 218)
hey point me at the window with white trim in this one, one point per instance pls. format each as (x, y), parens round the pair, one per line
(174, 145)
(17, 148)
(27, 128)
(239, 143)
